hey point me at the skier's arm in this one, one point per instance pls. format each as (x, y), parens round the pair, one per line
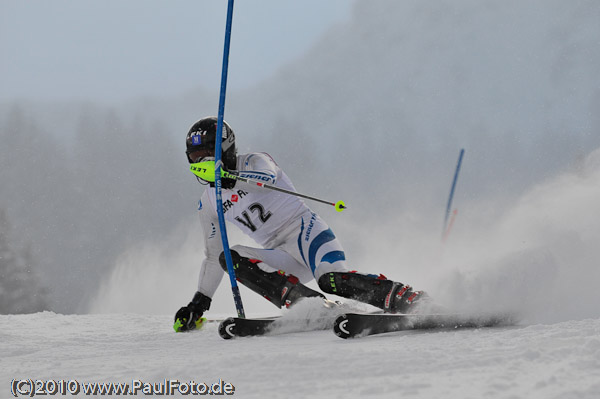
(190, 317)
(257, 166)
(211, 272)
(260, 167)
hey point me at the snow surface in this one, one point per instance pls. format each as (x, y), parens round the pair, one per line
(560, 360)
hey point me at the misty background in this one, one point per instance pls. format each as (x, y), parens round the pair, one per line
(372, 106)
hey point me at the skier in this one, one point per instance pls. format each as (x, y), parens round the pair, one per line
(297, 245)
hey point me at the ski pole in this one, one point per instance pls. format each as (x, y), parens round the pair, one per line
(205, 171)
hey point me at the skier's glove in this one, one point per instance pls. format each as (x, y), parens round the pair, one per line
(186, 319)
(205, 170)
(190, 317)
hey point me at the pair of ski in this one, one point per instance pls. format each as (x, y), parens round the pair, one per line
(352, 325)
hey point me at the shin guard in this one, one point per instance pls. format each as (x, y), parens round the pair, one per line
(279, 288)
(378, 291)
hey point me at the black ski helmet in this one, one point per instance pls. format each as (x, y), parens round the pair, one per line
(201, 139)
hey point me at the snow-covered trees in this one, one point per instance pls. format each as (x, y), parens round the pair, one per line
(20, 289)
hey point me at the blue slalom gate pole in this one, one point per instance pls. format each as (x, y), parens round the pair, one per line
(451, 197)
(237, 298)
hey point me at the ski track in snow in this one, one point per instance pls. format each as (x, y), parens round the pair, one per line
(559, 360)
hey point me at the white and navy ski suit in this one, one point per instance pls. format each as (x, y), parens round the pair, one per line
(293, 238)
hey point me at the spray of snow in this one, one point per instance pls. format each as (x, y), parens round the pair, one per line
(148, 277)
(537, 257)
(160, 276)
(540, 257)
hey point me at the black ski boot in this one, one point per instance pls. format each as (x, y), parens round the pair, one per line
(279, 288)
(378, 291)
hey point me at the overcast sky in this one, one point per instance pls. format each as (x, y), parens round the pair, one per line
(111, 50)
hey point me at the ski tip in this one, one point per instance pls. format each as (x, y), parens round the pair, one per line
(340, 327)
(227, 328)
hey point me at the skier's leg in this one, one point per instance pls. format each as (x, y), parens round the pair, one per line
(273, 260)
(316, 246)
(375, 290)
(278, 287)
(322, 252)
